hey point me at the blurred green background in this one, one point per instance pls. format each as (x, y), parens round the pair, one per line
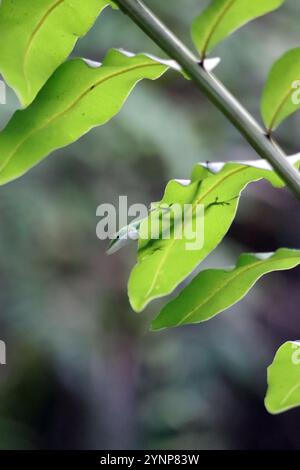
(83, 371)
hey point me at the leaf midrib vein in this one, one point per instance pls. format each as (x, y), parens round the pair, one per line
(215, 25)
(198, 201)
(33, 35)
(278, 109)
(72, 105)
(226, 283)
(290, 393)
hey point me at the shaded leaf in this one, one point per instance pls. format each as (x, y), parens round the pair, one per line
(164, 263)
(214, 290)
(62, 113)
(284, 379)
(37, 36)
(222, 17)
(281, 96)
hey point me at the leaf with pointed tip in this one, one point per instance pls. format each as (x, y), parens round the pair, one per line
(164, 263)
(62, 113)
(215, 290)
(37, 36)
(284, 379)
(281, 95)
(222, 17)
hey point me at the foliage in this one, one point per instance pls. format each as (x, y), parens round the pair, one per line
(223, 17)
(64, 99)
(62, 113)
(38, 36)
(283, 81)
(214, 290)
(283, 379)
(163, 263)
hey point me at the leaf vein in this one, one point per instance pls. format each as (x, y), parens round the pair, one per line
(72, 105)
(278, 109)
(225, 284)
(198, 201)
(288, 395)
(33, 35)
(215, 26)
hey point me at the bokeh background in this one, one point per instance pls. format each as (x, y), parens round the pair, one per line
(83, 371)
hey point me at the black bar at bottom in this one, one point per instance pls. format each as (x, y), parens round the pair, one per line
(135, 459)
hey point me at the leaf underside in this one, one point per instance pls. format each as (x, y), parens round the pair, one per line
(214, 290)
(37, 36)
(281, 95)
(284, 379)
(62, 113)
(164, 263)
(222, 17)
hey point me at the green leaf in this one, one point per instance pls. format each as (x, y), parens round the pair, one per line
(37, 36)
(164, 263)
(78, 97)
(222, 17)
(281, 96)
(284, 379)
(214, 290)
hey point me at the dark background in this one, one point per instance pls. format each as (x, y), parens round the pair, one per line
(83, 370)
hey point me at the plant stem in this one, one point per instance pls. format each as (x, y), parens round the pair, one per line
(214, 90)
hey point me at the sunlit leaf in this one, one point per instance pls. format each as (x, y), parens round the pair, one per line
(164, 263)
(284, 379)
(222, 17)
(281, 96)
(37, 36)
(214, 290)
(62, 113)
